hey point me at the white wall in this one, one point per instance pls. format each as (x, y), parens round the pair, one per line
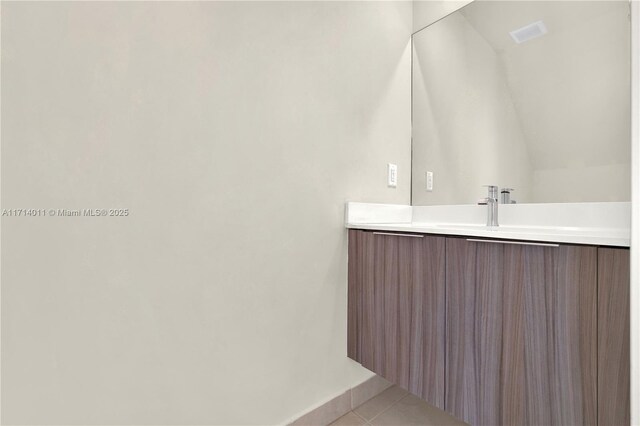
(234, 133)
(465, 127)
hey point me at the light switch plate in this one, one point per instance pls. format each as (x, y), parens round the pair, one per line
(392, 175)
(429, 180)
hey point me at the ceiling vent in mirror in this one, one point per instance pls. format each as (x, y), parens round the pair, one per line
(529, 32)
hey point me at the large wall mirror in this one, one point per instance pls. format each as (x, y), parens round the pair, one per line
(530, 95)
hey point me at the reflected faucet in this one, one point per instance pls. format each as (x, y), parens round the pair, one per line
(492, 205)
(505, 196)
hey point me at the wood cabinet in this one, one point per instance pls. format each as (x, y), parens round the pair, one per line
(521, 333)
(396, 309)
(495, 333)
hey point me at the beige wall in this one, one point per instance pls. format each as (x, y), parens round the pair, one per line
(426, 12)
(465, 127)
(234, 133)
(582, 183)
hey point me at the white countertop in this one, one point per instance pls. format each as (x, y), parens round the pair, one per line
(545, 222)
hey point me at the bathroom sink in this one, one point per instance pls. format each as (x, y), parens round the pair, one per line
(460, 226)
(524, 230)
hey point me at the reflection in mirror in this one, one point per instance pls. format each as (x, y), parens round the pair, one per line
(533, 96)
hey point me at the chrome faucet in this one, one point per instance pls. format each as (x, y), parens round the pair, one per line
(492, 205)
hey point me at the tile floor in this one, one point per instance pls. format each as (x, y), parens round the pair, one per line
(396, 407)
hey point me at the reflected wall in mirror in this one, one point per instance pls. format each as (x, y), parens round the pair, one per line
(548, 116)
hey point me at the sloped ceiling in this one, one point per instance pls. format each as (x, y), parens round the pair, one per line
(571, 86)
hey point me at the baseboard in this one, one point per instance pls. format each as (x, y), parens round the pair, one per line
(340, 405)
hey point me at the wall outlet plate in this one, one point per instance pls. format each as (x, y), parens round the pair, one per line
(429, 181)
(392, 175)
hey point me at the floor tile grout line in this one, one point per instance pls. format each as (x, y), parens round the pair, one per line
(388, 408)
(391, 406)
(360, 417)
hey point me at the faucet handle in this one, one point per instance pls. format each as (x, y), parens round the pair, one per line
(505, 196)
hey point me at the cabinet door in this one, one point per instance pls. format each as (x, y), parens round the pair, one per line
(550, 336)
(521, 333)
(396, 300)
(613, 337)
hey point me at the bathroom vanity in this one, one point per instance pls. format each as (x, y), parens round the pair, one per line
(493, 330)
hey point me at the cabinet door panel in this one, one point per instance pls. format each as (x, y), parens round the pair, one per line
(396, 288)
(521, 334)
(549, 335)
(613, 337)
(572, 301)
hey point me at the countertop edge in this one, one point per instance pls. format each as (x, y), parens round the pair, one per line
(496, 234)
